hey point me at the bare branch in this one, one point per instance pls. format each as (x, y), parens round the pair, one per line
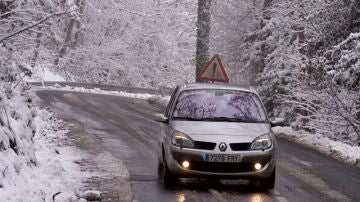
(34, 24)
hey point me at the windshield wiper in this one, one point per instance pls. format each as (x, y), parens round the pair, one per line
(226, 119)
(219, 119)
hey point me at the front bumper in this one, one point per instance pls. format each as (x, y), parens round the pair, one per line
(200, 168)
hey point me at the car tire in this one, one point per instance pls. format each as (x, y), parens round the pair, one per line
(167, 179)
(268, 183)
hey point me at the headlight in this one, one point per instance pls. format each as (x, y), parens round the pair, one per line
(262, 142)
(181, 140)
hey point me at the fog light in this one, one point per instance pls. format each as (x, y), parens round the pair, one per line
(185, 164)
(257, 166)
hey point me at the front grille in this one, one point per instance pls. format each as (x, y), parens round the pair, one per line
(204, 145)
(222, 167)
(240, 146)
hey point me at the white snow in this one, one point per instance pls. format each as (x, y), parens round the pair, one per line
(40, 74)
(55, 174)
(336, 149)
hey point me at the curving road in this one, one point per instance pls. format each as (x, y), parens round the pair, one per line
(126, 128)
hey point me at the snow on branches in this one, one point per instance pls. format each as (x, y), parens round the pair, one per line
(303, 58)
(324, 106)
(343, 62)
(145, 44)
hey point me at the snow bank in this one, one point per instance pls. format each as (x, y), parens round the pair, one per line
(40, 74)
(53, 173)
(339, 150)
(16, 134)
(35, 165)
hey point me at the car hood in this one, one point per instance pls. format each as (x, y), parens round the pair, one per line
(221, 131)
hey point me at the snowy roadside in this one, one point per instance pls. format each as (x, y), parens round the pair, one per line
(96, 91)
(336, 149)
(99, 175)
(40, 74)
(55, 175)
(62, 172)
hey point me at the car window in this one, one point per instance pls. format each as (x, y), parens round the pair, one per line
(219, 105)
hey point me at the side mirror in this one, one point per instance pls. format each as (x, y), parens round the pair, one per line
(277, 122)
(161, 119)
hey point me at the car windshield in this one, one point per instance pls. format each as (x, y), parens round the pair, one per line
(219, 105)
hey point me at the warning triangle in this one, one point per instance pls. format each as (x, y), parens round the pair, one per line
(214, 71)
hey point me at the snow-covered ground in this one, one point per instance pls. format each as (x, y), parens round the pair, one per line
(55, 174)
(40, 74)
(339, 150)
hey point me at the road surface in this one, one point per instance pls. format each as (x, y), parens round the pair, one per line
(126, 128)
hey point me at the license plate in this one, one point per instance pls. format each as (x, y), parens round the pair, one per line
(233, 158)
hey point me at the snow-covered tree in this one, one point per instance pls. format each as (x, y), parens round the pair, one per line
(231, 22)
(32, 30)
(203, 34)
(287, 48)
(134, 43)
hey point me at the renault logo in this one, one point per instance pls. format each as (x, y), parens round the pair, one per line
(222, 146)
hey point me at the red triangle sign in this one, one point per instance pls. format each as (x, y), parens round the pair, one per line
(214, 71)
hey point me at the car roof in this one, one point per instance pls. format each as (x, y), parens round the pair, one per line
(190, 86)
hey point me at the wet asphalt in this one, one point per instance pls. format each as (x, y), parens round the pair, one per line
(126, 128)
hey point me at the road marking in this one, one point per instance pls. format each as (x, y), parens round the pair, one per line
(217, 195)
(313, 181)
(305, 163)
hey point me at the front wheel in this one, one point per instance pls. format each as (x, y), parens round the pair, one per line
(167, 179)
(265, 183)
(268, 183)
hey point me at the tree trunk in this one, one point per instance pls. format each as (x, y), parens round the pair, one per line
(266, 14)
(79, 35)
(38, 37)
(37, 47)
(66, 42)
(68, 38)
(203, 34)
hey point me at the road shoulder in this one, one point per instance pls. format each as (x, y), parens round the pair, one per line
(338, 150)
(105, 173)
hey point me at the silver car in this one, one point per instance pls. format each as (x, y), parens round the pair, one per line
(217, 131)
